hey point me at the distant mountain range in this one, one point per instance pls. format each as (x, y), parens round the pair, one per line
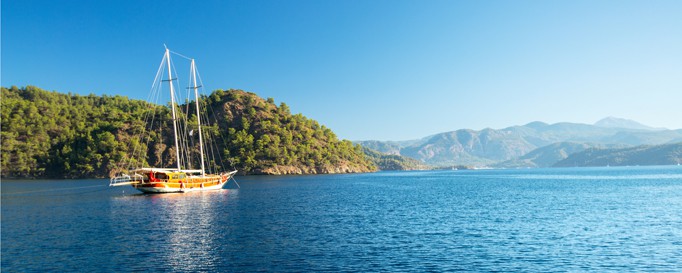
(536, 144)
(613, 122)
(549, 155)
(665, 154)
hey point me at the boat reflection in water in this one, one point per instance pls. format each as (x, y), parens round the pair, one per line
(183, 228)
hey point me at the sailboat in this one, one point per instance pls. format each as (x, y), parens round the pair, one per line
(181, 177)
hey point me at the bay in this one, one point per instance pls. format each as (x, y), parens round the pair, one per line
(572, 219)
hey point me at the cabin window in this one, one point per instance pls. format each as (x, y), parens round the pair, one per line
(178, 176)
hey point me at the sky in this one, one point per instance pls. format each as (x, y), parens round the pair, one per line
(370, 70)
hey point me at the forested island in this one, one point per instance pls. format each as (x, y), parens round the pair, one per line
(56, 135)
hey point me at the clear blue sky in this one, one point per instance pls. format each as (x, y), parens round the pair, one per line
(386, 70)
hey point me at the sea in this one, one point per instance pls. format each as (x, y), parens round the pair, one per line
(616, 219)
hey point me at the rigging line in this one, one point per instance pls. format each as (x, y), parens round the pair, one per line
(199, 90)
(125, 164)
(204, 114)
(146, 133)
(183, 152)
(210, 148)
(210, 136)
(159, 72)
(221, 136)
(190, 140)
(52, 190)
(83, 192)
(148, 126)
(206, 134)
(235, 181)
(188, 58)
(149, 118)
(183, 141)
(152, 100)
(213, 147)
(201, 82)
(212, 144)
(209, 140)
(129, 162)
(186, 141)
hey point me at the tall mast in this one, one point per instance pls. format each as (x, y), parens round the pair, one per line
(196, 99)
(172, 94)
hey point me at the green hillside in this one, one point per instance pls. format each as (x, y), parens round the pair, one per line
(50, 134)
(392, 162)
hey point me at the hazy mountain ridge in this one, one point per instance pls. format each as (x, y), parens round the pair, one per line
(665, 154)
(549, 155)
(385, 147)
(536, 144)
(614, 122)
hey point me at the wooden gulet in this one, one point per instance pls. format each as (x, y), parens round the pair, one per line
(167, 180)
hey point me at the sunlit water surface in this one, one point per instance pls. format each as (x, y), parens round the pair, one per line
(576, 219)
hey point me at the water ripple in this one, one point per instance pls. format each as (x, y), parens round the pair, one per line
(608, 219)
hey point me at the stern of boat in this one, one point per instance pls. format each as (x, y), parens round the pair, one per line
(124, 179)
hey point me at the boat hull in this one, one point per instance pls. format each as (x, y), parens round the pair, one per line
(161, 188)
(148, 181)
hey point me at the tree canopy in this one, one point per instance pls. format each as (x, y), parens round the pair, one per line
(51, 134)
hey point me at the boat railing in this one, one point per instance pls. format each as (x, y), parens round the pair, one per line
(125, 179)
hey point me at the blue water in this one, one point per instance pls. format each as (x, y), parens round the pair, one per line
(540, 220)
